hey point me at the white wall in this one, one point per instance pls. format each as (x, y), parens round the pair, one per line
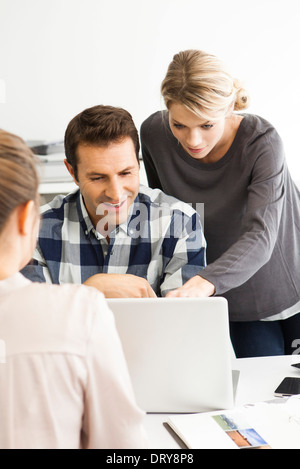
(58, 57)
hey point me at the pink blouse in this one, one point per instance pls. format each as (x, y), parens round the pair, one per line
(64, 382)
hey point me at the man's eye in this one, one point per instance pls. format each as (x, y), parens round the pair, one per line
(207, 126)
(178, 126)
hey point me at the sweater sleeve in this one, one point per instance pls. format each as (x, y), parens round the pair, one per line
(260, 221)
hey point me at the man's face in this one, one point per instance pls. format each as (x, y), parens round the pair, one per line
(108, 178)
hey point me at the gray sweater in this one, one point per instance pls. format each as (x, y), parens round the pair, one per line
(251, 213)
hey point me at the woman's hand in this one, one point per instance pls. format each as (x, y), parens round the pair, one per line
(195, 287)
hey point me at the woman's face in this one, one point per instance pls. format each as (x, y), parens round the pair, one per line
(202, 140)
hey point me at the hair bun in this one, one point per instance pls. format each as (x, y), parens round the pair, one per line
(242, 97)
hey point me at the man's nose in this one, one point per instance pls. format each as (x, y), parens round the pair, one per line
(114, 191)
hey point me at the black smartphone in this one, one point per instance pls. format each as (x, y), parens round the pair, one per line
(297, 365)
(288, 387)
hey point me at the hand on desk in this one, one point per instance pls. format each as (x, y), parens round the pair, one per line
(195, 287)
(121, 286)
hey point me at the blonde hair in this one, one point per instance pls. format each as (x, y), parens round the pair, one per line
(200, 82)
(18, 175)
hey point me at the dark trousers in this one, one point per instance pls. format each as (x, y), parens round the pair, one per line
(266, 338)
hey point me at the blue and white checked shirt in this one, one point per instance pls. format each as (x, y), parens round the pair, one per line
(161, 241)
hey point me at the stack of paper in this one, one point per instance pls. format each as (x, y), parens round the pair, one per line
(52, 168)
(265, 425)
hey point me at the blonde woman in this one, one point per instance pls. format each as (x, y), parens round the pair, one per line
(64, 383)
(201, 149)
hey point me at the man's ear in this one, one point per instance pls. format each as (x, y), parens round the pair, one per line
(26, 213)
(71, 170)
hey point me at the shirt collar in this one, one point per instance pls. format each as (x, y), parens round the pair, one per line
(85, 215)
(122, 228)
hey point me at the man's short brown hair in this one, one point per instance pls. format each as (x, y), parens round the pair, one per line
(99, 126)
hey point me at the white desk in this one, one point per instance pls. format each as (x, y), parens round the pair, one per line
(258, 379)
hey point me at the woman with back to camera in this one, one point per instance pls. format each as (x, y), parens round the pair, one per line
(64, 383)
(201, 150)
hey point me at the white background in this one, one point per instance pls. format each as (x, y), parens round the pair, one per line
(58, 57)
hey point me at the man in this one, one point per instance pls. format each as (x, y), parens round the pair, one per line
(125, 239)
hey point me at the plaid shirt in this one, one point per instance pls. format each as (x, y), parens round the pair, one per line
(162, 241)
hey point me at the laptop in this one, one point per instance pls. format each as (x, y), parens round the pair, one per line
(178, 352)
